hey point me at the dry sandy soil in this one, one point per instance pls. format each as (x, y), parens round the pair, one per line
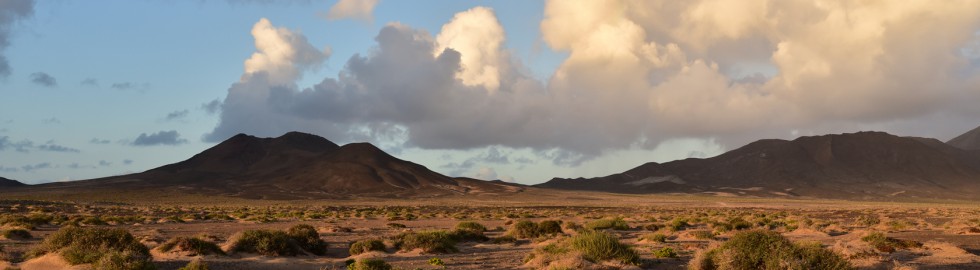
(948, 231)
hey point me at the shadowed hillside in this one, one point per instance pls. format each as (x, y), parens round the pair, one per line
(294, 165)
(862, 165)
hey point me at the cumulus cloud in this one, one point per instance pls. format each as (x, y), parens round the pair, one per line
(638, 73)
(159, 138)
(478, 37)
(99, 141)
(43, 79)
(352, 9)
(11, 11)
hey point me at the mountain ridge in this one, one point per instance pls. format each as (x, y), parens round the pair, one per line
(863, 165)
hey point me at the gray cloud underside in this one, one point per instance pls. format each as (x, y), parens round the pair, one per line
(632, 79)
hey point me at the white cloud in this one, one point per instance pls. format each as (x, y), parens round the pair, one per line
(352, 9)
(638, 73)
(485, 173)
(478, 37)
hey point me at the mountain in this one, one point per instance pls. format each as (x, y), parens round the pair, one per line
(4, 182)
(967, 141)
(864, 165)
(294, 166)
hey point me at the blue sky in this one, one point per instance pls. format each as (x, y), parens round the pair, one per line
(574, 89)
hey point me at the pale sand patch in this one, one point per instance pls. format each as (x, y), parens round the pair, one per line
(51, 261)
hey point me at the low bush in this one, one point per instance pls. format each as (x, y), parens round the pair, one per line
(470, 226)
(369, 264)
(590, 246)
(529, 229)
(436, 261)
(599, 246)
(364, 246)
(265, 242)
(883, 243)
(761, 249)
(308, 238)
(17, 234)
(666, 252)
(195, 246)
(428, 241)
(104, 248)
(196, 264)
(654, 237)
(610, 223)
(703, 235)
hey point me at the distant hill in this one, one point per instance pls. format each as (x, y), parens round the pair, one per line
(864, 165)
(292, 166)
(967, 141)
(4, 182)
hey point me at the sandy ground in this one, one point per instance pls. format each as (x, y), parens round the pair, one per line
(947, 231)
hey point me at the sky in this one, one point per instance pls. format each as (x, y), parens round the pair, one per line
(522, 91)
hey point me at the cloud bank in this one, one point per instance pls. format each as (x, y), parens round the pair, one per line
(637, 73)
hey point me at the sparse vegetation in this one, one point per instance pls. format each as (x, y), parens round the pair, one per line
(665, 252)
(308, 238)
(104, 248)
(427, 241)
(265, 242)
(369, 264)
(592, 246)
(529, 229)
(17, 234)
(364, 246)
(196, 264)
(883, 243)
(762, 249)
(610, 223)
(195, 246)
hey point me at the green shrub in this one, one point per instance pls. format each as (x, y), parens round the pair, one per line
(868, 220)
(428, 241)
(678, 224)
(599, 246)
(194, 245)
(529, 229)
(18, 234)
(196, 264)
(882, 243)
(666, 252)
(549, 227)
(603, 224)
(761, 249)
(308, 238)
(435, 261)
(105, 248)
(655, 237)
(265, 242)
(703, 235)
(524, 229)
(369, 264)
(470, 226)
(503, 239)
(364, 246)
